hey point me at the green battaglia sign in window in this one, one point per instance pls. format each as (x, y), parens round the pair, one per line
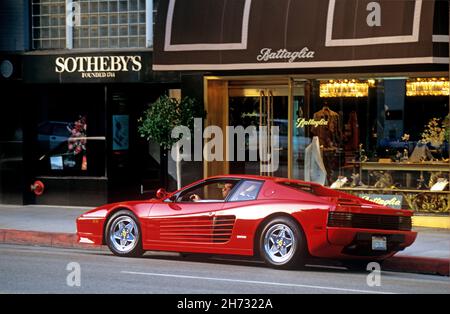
(389, 200)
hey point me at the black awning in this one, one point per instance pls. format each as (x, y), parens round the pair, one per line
(289, 34)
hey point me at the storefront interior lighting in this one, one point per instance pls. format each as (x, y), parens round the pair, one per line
(428, 87)
(344, 88)
(371, 82)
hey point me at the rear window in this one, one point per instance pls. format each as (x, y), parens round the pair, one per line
(246, 191)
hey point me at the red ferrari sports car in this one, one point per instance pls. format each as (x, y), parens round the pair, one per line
(283, 221)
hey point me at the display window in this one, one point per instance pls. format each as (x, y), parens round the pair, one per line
(70, 138)
(11, 149)
(385, 140)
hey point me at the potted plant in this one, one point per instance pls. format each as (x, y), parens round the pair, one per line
(158, 121)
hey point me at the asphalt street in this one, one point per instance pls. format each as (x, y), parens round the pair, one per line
(27, 269)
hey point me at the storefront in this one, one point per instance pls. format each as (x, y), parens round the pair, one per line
(11, 134)
(361, 101)
(80, 113)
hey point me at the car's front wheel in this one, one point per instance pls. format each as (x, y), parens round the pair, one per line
(123, 234)
(282, 243)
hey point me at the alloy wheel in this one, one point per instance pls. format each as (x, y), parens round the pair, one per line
(279, 243)
(124, 234)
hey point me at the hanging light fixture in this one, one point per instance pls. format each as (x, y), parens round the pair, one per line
(427, 87)
(344, 88)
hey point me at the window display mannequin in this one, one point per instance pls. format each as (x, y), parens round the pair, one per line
(314, 168)
(330, 134)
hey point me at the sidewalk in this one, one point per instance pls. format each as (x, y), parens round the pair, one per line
(40, 225)
(40, 218)
(55, 226)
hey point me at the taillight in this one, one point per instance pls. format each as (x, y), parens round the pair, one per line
(340, 219)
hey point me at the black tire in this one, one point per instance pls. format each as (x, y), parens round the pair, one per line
(134, 249)
(294, 254)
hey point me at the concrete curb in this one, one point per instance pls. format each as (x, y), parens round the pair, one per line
(52, 239)
(414, 264)
(437, 222)
(423, 265)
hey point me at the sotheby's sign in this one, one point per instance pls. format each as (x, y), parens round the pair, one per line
(98, 66)
(88, 68)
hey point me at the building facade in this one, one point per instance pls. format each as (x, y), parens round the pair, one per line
(77, 75)
(358, 90)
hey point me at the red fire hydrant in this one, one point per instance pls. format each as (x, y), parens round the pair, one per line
(38, 188)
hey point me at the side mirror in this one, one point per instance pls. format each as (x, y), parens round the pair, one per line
(161, 194)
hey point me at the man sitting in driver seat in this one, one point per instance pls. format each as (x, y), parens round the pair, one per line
(227, 187)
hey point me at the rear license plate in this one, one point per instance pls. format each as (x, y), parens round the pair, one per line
(379, 243)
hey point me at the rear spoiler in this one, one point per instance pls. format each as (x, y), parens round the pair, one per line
(339, 197)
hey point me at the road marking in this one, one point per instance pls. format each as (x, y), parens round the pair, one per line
(254, 282)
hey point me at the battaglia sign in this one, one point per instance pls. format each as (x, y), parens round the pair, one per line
(302, 122)
(393, 201)
(267, 34)
(267, 54)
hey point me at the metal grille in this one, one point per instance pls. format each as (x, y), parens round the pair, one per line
(111, 24)
(49, 24)
(368, 221)
(202, 229)
(101, 24)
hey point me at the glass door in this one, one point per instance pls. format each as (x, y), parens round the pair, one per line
(301, 135)
(263, 108)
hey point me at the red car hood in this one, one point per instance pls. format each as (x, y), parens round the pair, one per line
(101, 211)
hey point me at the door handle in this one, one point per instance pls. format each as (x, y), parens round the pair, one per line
(174, 206)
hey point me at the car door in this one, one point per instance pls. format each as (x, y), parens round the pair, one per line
(182, 224)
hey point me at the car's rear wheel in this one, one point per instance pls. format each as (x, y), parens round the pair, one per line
(123, 234)
(282, 243)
